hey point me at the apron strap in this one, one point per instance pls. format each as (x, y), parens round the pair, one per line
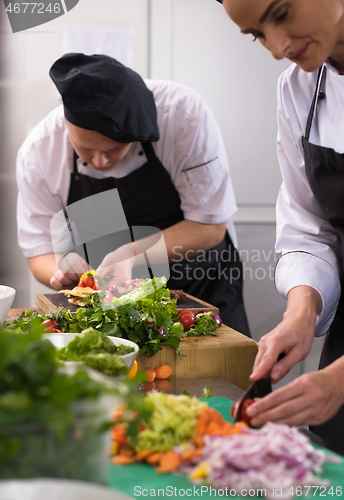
(75, 165)
(319, 93)
(149, 151)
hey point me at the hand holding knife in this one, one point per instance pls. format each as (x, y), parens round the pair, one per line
(257, 389)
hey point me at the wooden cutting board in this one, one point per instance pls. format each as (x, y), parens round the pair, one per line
(51, 302)
(230, 356)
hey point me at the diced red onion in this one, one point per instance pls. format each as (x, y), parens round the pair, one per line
(256, 458)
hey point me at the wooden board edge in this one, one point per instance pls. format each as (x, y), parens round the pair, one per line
(44, 304)
(203, 304)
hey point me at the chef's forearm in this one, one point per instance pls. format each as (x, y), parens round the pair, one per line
(43, 267)
(304, 301)
(187, 237)
(179, 240)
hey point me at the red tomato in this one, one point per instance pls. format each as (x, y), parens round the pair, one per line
(88, 281)
(186, 318)
(50, 325)
(234, 407)
(81, 283)
(244, 407)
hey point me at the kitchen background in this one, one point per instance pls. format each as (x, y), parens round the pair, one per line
(189, 41)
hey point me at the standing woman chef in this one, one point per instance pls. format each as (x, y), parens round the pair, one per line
(310, 208)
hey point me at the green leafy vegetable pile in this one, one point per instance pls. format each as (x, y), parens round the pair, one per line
(204, 325)
(146, 316)
(173, 422)
(98, 351)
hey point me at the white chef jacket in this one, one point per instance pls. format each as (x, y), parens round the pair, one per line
(309, 244)
(190, 148)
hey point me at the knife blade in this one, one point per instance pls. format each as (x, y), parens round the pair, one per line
(257, 389)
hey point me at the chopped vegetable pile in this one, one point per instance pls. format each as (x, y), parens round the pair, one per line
(184, 435)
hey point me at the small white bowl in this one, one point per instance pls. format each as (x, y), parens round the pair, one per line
(60, 340)
(6, 299)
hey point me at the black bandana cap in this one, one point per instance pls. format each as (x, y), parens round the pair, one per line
(101, 94)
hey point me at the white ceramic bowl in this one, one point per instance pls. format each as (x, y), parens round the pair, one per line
(56, 489)
(60, 340)
(6, 298)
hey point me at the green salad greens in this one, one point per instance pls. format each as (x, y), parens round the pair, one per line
(173, 422)
(90, 341)
(204, 325)
(109, 364)
(146, 316)
(96, 350)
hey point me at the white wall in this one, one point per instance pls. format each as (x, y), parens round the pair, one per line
(27, 94)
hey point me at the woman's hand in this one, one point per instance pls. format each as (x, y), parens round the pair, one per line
(293, 336)
(311, 399)
(69, 269)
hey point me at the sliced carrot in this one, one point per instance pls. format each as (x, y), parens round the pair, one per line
(198, 441)
(215, 416)
(159, 470)
(213, 428)
(143, 455)
(226, 429)
(126, 452)
(239, 426)
(163, 372)
(187, 455)
(154, 458)
(169, 461)
(122, 460)
(201, 425)
(206, 414)
(149, 374)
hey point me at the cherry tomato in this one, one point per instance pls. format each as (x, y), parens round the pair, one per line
(81, 283)
(234, 407)
(186, 318)
(244, 407)
(50, 325)
(88, 281)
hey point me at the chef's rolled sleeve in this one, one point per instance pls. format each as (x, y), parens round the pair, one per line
(300, 268)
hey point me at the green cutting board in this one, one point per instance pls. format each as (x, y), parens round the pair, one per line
(140, 480)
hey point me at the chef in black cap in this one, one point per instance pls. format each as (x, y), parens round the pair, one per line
(159, 145)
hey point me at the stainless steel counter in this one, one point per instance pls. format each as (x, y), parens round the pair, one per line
(195, 386)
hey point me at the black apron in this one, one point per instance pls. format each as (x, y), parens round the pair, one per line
(325, 173)
(149, 198)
